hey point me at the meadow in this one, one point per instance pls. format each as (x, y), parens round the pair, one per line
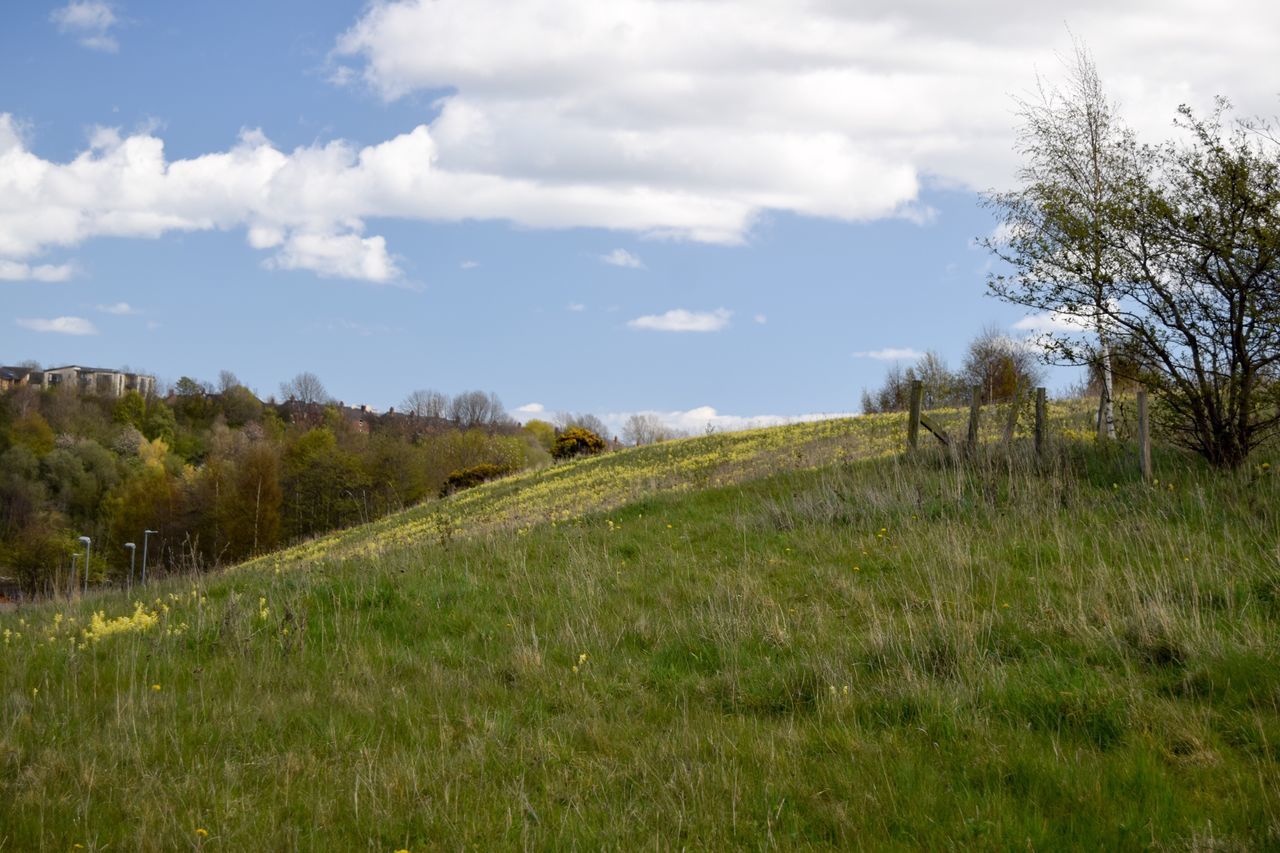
(794, 637)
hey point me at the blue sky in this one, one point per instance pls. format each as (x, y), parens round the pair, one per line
(600, 207)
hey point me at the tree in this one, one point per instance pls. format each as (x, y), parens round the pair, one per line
(1000, 366)
(568, 420)
(426, 403)
(542, 432)
(941, 386)
(1192, 278)
(472, 409)
(1062, 229)
(576, 441)
(646, 429)
(305, 388)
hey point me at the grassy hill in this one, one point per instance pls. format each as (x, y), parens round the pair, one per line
(789, 637)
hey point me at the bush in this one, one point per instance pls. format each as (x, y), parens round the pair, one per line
(473, 476)
(576, 441)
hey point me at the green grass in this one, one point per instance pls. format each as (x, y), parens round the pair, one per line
(848, 652)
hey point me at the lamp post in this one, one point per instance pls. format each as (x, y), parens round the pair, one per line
(146, 534)
(88, 550)
(71, 590)
(133, 552)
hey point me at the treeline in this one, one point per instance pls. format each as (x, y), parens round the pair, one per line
(222, 475)
(999, 366)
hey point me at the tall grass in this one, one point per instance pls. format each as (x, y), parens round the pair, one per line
(931, 652)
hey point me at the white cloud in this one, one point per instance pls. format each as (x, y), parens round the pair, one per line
(577, 307)
(1052, 321)
(698, 420)
(890, 354)
(91, 21)
(119, 309)
(337, 256)
(17, 271)
(60, 325)
(761, 319)
(531, 409)
(687, 120)
(680, 320)
(623, 258)
(469, 265)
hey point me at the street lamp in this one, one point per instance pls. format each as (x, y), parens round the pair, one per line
(146, 534)
(88, 550)
(133, 552)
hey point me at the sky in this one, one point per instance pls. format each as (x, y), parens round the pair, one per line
(725, 213)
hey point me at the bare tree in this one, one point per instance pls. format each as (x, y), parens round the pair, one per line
(426, 403)
(305, 388)
(472, 409)
(646, 429)
(568, 420)
(226, 381)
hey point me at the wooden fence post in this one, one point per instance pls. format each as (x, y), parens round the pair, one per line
(975, 407)
(1012, 422)
(1041, 426)
(1144, 437)
(913, 417)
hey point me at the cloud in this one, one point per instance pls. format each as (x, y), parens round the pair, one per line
(761, 319)
(680, 320)
(119, 309)
(91, 21)
(687, 120)
(699, 420)
(531, 409)
(60, 325)
(577, 307)
(337, 256)
(623, 258)
(890, 354)
(469, 265)
(16, 271)
(1052, 321)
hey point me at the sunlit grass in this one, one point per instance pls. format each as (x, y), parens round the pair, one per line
(995, 652)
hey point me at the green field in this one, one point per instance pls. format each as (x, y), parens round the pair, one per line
(784, 638)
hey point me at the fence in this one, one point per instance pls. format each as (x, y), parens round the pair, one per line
(916, 418)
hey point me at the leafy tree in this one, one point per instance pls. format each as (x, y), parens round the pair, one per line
(1063, 229)
(1195, 230)
(160, 422)
(130, 409)
(32, 432)
(1000, 366)
(542, 432)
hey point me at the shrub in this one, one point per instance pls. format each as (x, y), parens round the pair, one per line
(465, 478)
(576, 441)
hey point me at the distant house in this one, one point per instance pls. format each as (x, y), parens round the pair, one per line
(86, 380)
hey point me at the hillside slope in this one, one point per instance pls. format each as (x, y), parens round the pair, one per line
(853, 653)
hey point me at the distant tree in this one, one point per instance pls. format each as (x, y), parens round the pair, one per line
(589, 422)
(646, 429)
(32, 432)
(239, 406)
(130, 409)
(305, 388)
(426, 403)
(188, 387)
(160, 422)
(226, 381)
(941, 386)
(542, 432)
(472, 409)
(576, 441)
(1000, 366)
